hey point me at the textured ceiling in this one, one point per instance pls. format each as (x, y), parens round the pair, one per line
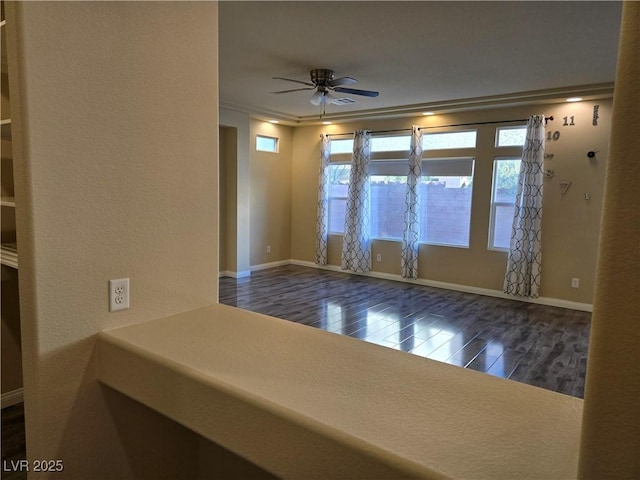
(416, 54)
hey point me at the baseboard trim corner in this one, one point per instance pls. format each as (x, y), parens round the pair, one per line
(230, 273)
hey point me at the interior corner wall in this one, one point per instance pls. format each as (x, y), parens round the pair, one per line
(115, 146)
(228, 190)
(238, 189)
(271, 195)
(571, 221)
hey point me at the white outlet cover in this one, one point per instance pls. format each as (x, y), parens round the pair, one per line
(118, 294)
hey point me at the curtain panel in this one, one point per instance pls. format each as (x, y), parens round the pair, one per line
(524, 260)
(322, 224)
(411, 232)
(356, 243)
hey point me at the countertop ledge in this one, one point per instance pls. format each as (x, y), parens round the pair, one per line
(303, 403)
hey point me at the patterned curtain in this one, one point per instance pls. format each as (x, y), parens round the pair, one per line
(522, 277)
(322, 226)
(411, 233)
(356, 254)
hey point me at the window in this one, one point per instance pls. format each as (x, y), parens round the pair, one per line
(400, 143)
(504, 189)
(342, 146)
(446, 189)
(510, 136)
(338, 186)
(266, 144)
(447, 140)
(391, 143)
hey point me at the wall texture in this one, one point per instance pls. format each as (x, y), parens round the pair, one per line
(570, 222)
(117, 172)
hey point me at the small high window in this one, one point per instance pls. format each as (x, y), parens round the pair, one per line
(266, 144)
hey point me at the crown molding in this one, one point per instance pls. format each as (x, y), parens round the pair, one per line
(547, 96)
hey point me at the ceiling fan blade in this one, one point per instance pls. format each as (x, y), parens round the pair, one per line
(342, 81)
(366, 93)
(295, 81)
(294, 90)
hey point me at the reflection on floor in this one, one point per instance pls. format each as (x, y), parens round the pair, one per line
(534, 344)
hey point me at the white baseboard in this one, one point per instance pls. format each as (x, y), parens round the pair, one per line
(552, 302)
(229, 273)
(12, 398)
(265, 266)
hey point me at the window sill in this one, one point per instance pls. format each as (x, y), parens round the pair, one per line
(300, 402)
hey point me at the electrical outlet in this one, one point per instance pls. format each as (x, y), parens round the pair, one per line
(118, 294)
(268, 248)
(378, 257)
(575, 283)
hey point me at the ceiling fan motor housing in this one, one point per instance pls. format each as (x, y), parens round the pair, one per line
(322, 76)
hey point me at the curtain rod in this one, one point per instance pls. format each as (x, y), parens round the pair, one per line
(546, 119)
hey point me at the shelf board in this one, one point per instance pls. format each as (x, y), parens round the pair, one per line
(8, 201)
(6, 129)
(9, 255)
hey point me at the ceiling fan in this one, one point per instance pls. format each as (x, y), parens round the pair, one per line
(323, 81)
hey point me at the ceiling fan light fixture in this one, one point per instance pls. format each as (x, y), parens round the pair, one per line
(318, 98)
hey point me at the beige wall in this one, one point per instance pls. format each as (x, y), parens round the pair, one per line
(271, 200)
(237, 162)
(117, 172)
(570, 223)
(228, 221)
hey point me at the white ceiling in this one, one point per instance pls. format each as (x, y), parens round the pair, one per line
(418, 55)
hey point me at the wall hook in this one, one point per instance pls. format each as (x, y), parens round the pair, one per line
(548, 173)
(565, 184)
(592, 153)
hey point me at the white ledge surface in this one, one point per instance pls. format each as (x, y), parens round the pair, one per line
(304, 403)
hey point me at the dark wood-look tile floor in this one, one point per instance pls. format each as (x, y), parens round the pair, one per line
(535, 344)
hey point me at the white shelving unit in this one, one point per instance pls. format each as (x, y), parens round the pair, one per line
(12, 384)
(8, 246)
(8, 201)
